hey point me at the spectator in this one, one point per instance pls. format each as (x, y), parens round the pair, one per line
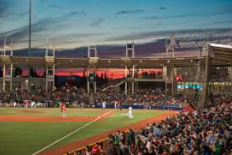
(205, 131)
(96, 149)
(88, 150)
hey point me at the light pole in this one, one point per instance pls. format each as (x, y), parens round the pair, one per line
(29, 35)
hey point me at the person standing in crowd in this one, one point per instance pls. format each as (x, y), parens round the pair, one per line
(63, 110)
(96, 149)
(131, 138)
(88, 150)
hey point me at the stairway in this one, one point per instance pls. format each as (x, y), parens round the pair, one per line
(114, 85)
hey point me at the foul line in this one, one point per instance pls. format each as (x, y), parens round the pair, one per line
(99, 117)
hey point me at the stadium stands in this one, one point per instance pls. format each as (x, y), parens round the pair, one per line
(144, 98)
(205, 131)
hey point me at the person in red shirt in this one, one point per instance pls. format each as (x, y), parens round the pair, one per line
(96, 149)
(63, 110)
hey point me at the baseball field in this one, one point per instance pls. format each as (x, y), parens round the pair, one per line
(26, 131)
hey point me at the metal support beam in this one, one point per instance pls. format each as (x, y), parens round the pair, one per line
(87, 78)
(125, 80)
(7, 77)
(166, 88)
(133, 83)
(198, 71)
(130, 50)
(50, 78)
(95, 82)
(29, 79)
(204, 93)
(11, 75)
(165, 70)
(92, 51)
(54, 73)
(46, 84)
(3, 79)
(46, 78)
(173, 80)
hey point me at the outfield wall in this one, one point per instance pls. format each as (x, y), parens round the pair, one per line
(126, 106)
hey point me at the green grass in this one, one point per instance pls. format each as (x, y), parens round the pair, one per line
(24, 138)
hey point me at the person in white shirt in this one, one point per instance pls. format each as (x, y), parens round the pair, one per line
(14, 104)
(115, 104)
(130, 113)
(103, 105)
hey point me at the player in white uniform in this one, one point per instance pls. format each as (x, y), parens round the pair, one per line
(130, 113)
(115, 104)
(103, 105)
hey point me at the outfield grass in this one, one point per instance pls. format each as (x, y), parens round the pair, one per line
(24, 138)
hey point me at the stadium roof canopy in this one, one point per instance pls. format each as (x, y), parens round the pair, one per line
(222, 52)
(221, 55)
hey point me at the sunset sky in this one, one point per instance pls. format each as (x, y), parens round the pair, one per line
(74, 23)
(109, 73)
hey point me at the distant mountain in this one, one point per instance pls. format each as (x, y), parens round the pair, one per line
(109, 51)
(112, 51)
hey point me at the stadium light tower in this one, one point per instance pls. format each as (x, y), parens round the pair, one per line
(29, 33)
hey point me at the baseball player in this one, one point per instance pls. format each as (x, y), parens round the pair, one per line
(63, 110)
(103, 105)
(130, 113)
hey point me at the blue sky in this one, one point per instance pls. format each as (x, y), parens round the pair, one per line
(74, 23)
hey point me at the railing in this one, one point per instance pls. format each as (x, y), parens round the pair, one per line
(103, 143)
(114, 84)
(81, 151)
(126, 106)
(180, 54)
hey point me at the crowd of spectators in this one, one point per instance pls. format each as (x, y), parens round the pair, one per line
(203, 131)
(152, 75)
(220, 74)
(39, 98)
(146, 97)
(156, 96)
(19, 96)
(198, 132)
(110, 97)
(78, 97)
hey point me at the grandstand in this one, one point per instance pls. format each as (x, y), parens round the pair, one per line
(178, 73)
(155, 95)
(172, 65)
